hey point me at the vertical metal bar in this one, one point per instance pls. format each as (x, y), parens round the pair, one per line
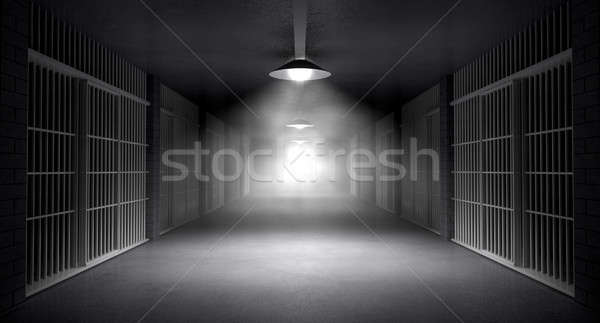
(82, 109)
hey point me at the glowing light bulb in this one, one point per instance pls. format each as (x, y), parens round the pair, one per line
(300, 74)
(299, 124)
(299, 141)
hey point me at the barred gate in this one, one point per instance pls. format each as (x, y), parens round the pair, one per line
(514, 174)
(547, 223)
(433, 183)
(513, 150)
(115, 172)
(86, 173)
(52, 223)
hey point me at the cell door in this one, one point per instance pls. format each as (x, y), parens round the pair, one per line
(166, 187)
(389, 186)
(484, 174)
(86, 175)
(385, 187)
(546, 227)
(353, 145)
(115, 178)
(514, 175)
(215, 197)
(433, 183)
(52, 222)
(496, 175)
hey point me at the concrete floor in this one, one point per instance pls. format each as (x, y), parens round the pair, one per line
(300, 260)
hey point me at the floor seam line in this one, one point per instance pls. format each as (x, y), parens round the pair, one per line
(412, 271)
(195, 264)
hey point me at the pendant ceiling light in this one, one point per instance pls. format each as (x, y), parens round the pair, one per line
(299, 124)
(300, 142)
(300, 69)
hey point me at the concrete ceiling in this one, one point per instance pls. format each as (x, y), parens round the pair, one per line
(241, 41)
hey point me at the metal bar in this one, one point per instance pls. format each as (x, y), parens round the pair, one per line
(561, 57)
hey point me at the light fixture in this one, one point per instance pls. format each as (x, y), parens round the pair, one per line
(300, 69)
(300, 142)
(299, 124)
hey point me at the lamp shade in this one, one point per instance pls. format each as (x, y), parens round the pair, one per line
(300, 70)
(300, 142)
(299, 124)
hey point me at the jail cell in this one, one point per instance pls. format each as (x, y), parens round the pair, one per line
(215, 141)
(389, 191)
(62, 42)
(423, 170)
(406, 185)
(132, 172)
(467, 173)
(181, 198)
(219, 185)
(193, 187)
(420, 127)
(215, 187)
(179, 205)
(385, 186)
(352, 146)
(86, 152)
(116, 173)
(513, 168)
(245, 151)
(541, 40)
(166, 187)
(51, 224)
(102, 172)
(547, 223)
(232, 188)
(497, 172)
(433, 183)
(385, 190)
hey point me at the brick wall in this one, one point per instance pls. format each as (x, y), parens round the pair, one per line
(13, 147)
(586, 118)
